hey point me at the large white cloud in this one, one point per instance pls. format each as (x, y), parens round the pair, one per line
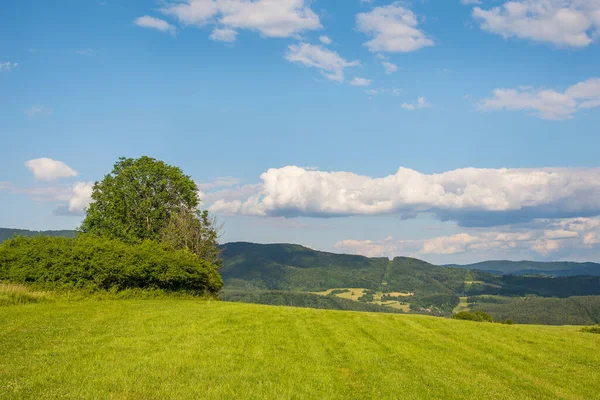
(331, 64)
(47, 169)
(271, 18)
(548, 239)
(565, 23)
(546, 103)
(471, 196)
(393, 28)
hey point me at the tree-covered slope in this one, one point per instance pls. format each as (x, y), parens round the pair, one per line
(294, 267)
(554, 268)
(6, 233)
(579, 310)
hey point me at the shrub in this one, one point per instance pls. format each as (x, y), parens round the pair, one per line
(591, 329)
(478, 316)
(100, 263)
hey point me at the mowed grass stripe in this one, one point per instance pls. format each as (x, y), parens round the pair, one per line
(156, 349)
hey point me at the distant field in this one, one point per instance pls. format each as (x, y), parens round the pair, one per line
(157, 349)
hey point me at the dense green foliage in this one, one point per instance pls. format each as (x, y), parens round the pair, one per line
(478, 316)
(180, 349)
(405, 274)
(6, 233)
(136, 200)
(100, 263)
(579, 310)
(554, 268)
(298, 299)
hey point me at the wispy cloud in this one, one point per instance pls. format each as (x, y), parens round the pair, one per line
(546, 103)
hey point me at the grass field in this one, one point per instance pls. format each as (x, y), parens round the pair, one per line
(158, 349)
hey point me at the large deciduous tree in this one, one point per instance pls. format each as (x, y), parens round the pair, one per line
(138, 199)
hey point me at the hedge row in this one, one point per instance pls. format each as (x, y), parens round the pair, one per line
(92, 262)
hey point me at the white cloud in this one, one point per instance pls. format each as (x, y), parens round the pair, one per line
(389, 67)
(8, 66)
(224, 35)
(72, 199)
(565, 23)
(271, 18)
(470, 196)
(421, 103)
(325, 40)
(36, 110)
(393, 28)
(546, 103)
(360, 82)
(488, 243)
(330, 63)
(147, 21)
(46, 169)
(81, 197)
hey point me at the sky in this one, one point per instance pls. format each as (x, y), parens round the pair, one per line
(454, 131)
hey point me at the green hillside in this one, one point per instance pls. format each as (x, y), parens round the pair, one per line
(554, 268)
(294, 267)
(186, 349)
(6, 233)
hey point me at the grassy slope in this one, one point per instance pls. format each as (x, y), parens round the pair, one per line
(156, 349)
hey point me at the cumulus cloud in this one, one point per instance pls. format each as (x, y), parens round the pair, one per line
(565, 23)
(546, 103)
(421, 103)
(8, 66)
(47, 169)
(470, 196)
(158, 24)
(360, 82)
(271, 18)
(331, 64)
(81, 197)
(393, 28)
(552, 237)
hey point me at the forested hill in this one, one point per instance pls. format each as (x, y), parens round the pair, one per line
(556, 268)
(6, 233)
(251, 266)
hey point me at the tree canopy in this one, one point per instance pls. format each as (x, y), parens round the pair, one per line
(137, 199)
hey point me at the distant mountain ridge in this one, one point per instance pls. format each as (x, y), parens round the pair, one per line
(552, 268)
(7, 233)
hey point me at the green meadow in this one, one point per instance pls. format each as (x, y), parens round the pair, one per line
(202, 349)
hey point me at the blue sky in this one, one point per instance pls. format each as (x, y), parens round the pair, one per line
(309, 109)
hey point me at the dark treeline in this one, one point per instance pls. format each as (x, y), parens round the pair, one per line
(514, 285)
